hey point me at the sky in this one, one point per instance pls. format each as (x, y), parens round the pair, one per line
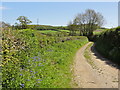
(119, 14)
(57, 13)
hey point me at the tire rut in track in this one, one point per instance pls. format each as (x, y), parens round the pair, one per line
(102, 75)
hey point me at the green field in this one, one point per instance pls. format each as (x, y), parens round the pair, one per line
(99, 31)
(53, 31)
(48, 31)
(63, 30)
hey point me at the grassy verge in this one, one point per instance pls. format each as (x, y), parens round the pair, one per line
(59, 61)
(87, 55)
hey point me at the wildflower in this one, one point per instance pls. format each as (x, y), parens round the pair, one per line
(31, 71)
(20, 74)
(39, 65)
(32, 76)
(39, 79)
(35, 72)
(28, 79)
(34, 57)
(38, 82)
(39, 58)
(22, 85)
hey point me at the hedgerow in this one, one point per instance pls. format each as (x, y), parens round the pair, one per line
(108, 44)
(33, 60)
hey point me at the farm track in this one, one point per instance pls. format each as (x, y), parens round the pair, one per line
(98, 73)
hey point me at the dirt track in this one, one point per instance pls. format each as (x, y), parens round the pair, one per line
(100, 74)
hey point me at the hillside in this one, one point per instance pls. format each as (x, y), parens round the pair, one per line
(34, 60)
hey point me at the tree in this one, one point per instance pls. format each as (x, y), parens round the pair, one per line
(93, 20)
(88, 22)
(23, 21)
(4, 25)
(73, 28)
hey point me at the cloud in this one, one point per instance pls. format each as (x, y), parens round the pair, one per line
(3, 8)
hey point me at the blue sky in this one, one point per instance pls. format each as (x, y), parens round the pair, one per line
(119, 14)
(57, 13)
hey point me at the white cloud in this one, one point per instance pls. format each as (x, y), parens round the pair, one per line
(3, 8)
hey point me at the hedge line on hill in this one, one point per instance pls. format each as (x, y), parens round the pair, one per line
(42, 27)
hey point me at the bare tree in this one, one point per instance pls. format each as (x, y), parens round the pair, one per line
(88, 22)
